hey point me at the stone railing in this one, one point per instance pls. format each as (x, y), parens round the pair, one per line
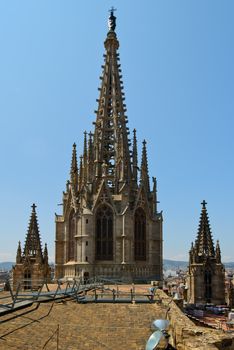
(185, 335)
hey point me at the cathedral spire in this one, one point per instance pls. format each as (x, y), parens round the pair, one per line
(33, 241)
(111, 143)
(204, 243)
(144, 168)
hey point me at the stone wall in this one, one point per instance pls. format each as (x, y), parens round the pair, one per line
(185, 335)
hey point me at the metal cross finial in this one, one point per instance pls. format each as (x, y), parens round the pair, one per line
(203, 203)
(34, 206)
(112, 10)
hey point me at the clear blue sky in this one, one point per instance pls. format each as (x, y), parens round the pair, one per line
(178, 72)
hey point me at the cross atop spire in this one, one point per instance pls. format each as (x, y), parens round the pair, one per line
(34, 207)
(203, 203)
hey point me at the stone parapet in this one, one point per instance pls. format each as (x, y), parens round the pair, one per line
(185, 335)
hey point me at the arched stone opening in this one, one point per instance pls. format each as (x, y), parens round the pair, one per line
(104, 233)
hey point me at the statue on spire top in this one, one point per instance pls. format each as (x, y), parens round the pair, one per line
(112, 19)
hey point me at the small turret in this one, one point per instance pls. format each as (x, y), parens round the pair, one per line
(218, 252)
(74, 169)
(81, 173)
(154, 195)
(144, 168)
(191, 254)
(85, 159)
(19, 254)
(134, 157)
(45, 255)
(90, 158)
(39, 258)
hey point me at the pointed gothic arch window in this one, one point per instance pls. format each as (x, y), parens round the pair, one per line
(71, 237)
(208, 286)
(27, 278)
(140, 234)
(104, 233)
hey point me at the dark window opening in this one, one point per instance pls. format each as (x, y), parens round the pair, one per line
(104, 233)
(140, 235)
(27, 279)
(71, 237)
(208, 286)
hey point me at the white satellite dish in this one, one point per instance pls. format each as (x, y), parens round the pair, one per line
(160, 324)
(153, 340)
(160, 327)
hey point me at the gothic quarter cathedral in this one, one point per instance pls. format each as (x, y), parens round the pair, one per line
(110, 225)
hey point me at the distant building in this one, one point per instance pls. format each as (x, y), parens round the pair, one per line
(110, 225)
(206, 275)
(32, 268)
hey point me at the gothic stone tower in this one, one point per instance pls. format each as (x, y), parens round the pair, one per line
(110, 225)
(206, 272)
(32, 267)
